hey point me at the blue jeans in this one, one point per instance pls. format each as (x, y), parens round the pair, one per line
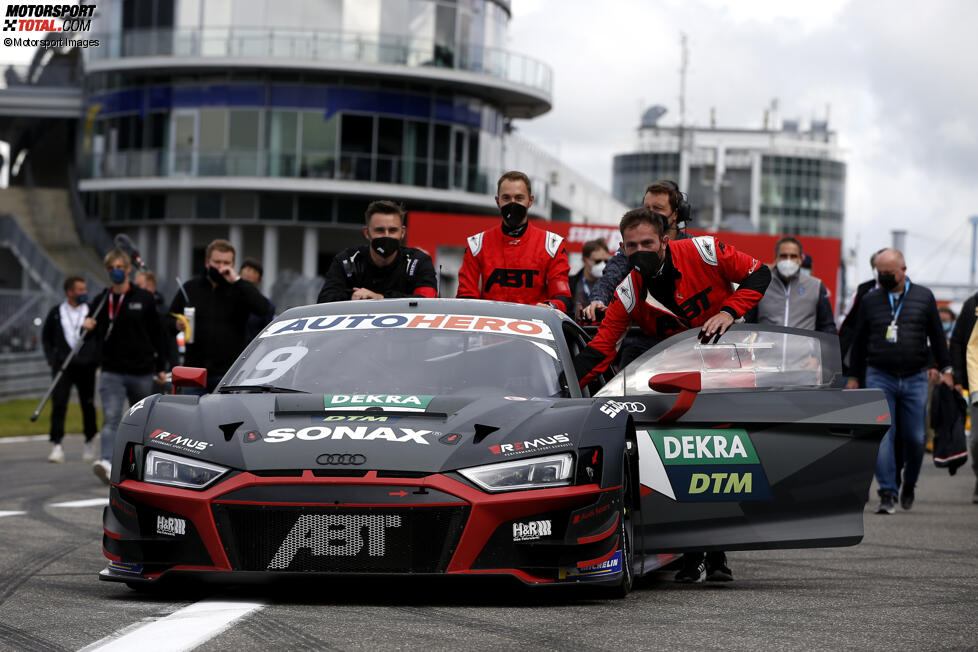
(907, 398)
(113, 389)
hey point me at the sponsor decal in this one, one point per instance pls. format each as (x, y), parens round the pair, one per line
(511, 278)
(531, 531)
(178, 442)
(531, 445)
(138, 405)
(591, 513)
(407, 402)
(341, 459)
(124, 567)
(335, 535)
(469, 323)
(607, 567)
(702, 465)
(359, 433)
(171, 526)
(451, 438)
(375, 418)
(614, 408)
(516, 398)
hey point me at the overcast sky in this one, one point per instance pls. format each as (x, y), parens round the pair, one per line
(900, 79)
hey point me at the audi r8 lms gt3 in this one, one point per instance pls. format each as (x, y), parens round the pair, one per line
(438, 436)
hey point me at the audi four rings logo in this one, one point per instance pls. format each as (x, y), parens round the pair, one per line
(634, 407)
(337, 459)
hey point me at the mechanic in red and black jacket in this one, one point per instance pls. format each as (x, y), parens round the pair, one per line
(516, 261)
(384, 268)
(673, 286)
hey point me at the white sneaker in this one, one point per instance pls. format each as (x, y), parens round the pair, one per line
(88, 451)
(57, 454)
(102, 470)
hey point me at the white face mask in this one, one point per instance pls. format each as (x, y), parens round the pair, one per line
(597, 269)
(787, 268)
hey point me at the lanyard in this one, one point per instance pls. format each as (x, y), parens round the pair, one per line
(114, 309)
(895, 312)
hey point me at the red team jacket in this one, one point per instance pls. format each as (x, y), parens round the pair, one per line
(707, 267)
(528, 269)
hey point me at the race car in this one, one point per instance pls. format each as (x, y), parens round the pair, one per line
(443, 436)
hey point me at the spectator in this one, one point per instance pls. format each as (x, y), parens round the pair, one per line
(793, 299)
(128, 328)
(947, 320)
(674, 286)
(847, 331)
(893, 326)
(252, 271)
(594, 256)
(516, 261)
(964, 360)
(662, 197)
(382, 268)
(65, 325)
(222, 302)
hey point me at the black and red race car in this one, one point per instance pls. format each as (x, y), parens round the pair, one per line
(437, 436)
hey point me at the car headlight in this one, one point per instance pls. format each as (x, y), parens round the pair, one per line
(532, 473)
(177, 471)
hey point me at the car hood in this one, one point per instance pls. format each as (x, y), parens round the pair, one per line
(266, 432)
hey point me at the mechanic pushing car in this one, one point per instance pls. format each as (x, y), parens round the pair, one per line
(674, 286)
(384, 268)
(516, 261)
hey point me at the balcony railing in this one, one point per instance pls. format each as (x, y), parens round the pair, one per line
(401, 170)
(323, 46)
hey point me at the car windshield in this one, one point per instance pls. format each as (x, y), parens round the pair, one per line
(403, 354)
(746, 357)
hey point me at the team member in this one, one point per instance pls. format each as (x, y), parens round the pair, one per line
(128, 327)
(697, 272)
(222, 303)
(67, 323)
(516, 261)
(594, 256)
(663, 197)
(382, 268)
(793, 299)
(890, 350)
(252, 270)
(847, 330)
(964, 359)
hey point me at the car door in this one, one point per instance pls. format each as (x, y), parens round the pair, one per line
(749, 443)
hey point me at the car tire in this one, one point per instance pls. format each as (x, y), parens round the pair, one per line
(624, 585)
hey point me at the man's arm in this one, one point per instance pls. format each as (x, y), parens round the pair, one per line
(938, 344)
(857, 354)
(336, 286)
(252, 299)
(154, 328)
(753, 277)
(422, 282)
(824, 319)
(615, 271)
(599, 353)
(468, 277)
(558, 284)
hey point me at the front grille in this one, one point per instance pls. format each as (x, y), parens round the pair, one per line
(340, 539)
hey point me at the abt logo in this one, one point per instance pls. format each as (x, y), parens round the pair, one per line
(511, 278)
(531, 531)
(335, 535)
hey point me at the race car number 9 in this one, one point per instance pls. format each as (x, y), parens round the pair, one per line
(276, 363)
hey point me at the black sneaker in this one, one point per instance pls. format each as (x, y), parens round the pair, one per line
(886, 504)
(716, 568)
(906, 497)
(693, 570)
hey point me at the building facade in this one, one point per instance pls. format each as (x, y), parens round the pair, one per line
(768, 181)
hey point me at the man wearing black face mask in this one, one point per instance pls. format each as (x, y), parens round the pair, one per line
(383, 268)
(673, 286)
(893, 326)
(222, 302)
(516, 261)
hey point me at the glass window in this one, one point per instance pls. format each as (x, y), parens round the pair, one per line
(314, 208)
(275, 206)
(318, 144)
(356, 144)
(390, 137)
(445, 36)
(179, 206)
(208, 206)
(243, 129)
(280, 141)
(415, 153)
(442, 160)
(239, 205)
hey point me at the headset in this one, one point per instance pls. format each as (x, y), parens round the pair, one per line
(683, 208)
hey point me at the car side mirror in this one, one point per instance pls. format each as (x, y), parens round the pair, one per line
(188, 377)
(686, 383)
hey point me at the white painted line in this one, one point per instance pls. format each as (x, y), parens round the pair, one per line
(91, 502)
(14, 440)
(184, 629)
(2, 514)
